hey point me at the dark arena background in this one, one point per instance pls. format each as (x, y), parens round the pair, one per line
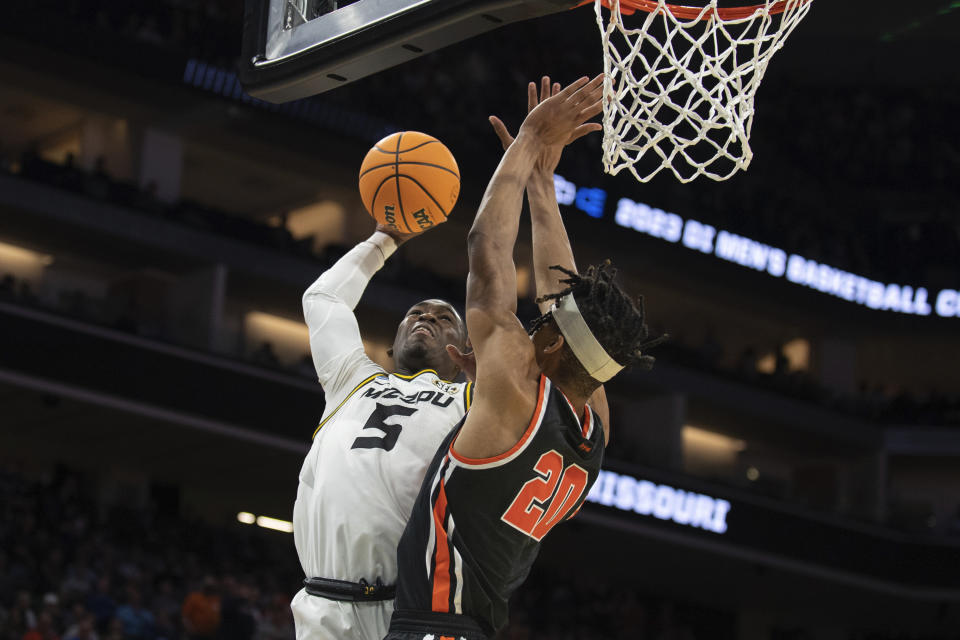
(158, 227)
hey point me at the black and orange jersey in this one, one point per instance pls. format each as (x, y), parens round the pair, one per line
(476, 525)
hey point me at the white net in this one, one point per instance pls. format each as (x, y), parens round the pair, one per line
(680, 82)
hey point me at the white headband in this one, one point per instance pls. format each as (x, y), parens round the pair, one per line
(584, 345)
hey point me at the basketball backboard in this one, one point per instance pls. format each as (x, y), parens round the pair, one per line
(297, 48)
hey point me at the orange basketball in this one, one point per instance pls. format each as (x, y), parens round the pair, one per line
(409, 181)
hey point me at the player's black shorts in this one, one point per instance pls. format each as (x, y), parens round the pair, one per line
(429, 625)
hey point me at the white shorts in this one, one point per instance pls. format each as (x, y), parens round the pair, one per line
(322, 619)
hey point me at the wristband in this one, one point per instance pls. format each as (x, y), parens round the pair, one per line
(382, 241)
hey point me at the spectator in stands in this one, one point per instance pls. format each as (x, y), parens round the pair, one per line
(747, 363)
(238, 619)
(8, 286)
(101, 604)
(45, 629)
(166, 608)
(781, 365)
(7, 580)
(21, 618)
(137, 622)
(83, 629)
(51, 606)
(114, 630)
(277, 621)
(201, 611)
(79, 579)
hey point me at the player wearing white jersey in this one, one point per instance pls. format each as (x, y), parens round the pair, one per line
(369, 454)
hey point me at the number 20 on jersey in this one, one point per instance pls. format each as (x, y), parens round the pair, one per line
(545, 501)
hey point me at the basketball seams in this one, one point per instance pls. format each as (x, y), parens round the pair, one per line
(373, 201)
(381, 165)
(422, 164)
(387, 151)
(396, 175)
(423, 189)
(416, 146)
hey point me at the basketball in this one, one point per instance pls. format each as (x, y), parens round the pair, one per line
(409, 181)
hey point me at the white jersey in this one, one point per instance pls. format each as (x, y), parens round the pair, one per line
(362, 475)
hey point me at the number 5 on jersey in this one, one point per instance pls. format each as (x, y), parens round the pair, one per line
(545, 501)
(378, 420)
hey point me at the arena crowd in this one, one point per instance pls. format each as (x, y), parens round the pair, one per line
(73, 567)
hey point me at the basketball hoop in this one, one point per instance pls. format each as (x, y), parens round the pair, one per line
(679, 86)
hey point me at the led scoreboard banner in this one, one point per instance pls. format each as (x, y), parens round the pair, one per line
(661, 501)
(650, 502)
(746, 252)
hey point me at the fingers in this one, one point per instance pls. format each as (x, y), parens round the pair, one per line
(583, 130)
(591, 110)
(589, 92)
(560, 114)
(590, 99)
(573, 87)
(501, 130)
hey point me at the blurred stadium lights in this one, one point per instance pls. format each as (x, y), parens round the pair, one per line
(288, 339)
(23, 263)
(325, 221)
(710, 440)
(708, 452)
(274, 523)
(265, 522)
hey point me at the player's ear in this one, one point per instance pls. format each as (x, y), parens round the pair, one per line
(554, 344)
(390, 352)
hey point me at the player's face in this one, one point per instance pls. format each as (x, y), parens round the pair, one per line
(423, 335)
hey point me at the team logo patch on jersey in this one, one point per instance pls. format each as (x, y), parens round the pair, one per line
(446, 387)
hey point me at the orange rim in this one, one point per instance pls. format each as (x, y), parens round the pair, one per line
(627, 7)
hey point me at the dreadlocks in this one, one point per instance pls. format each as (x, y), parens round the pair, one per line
(614, 318)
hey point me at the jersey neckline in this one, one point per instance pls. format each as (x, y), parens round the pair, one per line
(404, 376)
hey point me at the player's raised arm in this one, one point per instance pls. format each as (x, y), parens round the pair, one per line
(551, 245)
(328, 304)
(507, 369)
(491, 285)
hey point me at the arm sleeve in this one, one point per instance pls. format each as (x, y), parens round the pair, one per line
(328, 304)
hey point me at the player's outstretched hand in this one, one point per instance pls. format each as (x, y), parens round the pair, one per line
(553, 121)
(549, 157)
